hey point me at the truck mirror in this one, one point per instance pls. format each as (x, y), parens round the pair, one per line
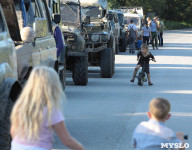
(28, 34)
(87, 20)
(56, 18)
(40, 27)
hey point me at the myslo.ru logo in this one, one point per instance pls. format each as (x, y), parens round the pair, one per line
(174, 145)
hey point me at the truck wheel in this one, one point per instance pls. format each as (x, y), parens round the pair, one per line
(62, 74)
(110, 45)
(80, 71)
(106, 63)
(117, 48)
(10, 90)
(113, 63)
(123, 45)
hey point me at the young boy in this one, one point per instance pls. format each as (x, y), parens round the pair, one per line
(143, 56)
(152, 134)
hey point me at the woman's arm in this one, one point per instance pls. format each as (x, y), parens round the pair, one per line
(65, 137)
(12, 132)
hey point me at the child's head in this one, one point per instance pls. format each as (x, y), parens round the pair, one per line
(139, 38)
(42, 90)
(159, 109)
(144, 47)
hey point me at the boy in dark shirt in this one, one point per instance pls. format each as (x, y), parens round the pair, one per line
(143, 56)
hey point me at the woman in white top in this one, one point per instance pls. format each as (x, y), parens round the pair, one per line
(146, 33)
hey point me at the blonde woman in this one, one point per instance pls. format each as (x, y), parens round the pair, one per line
(36, 114)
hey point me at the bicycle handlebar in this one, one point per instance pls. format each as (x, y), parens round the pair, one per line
(185, 137)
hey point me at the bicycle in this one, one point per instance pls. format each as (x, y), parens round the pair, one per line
(141, 77)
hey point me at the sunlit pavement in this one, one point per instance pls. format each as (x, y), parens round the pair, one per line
(103, 114)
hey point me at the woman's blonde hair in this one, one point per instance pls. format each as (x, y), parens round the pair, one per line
(42, 90)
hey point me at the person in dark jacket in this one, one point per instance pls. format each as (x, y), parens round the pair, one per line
(143, 56)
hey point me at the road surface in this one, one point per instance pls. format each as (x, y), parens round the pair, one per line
(104, 114)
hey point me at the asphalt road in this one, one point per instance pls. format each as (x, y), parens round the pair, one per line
(104, 114)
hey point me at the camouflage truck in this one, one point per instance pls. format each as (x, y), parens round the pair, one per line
(10, 87)
(71, 26)
(119, 30)
(30, 28)
(99, 42)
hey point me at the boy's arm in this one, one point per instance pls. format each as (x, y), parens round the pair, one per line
(153, 58)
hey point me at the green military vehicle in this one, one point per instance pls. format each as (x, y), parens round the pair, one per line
(71, 26)
(10, 87)
(30, 28)
(119, 30)
(99, 42)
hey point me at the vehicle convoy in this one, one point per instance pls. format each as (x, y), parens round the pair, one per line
(99, 42)
(119, 31)
(71, 26)
(135, 14)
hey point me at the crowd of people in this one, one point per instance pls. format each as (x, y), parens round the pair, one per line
(152, 33)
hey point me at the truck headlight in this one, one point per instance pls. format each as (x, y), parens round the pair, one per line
(104, 38)
(95, 38)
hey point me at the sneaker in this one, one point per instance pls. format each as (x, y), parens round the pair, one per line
(132, 80)
(153, 48)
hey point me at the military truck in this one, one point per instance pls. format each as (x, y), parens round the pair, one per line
(71, 26)
(119, 30)
(10, 87)
(30, 28)
(99, 43)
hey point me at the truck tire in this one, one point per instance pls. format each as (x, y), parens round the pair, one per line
(106, 63)
(10, 90)
(123, 43)
(80, 71)
(110, 45)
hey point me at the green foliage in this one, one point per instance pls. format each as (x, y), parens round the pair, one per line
(171, 25)
(171, 10)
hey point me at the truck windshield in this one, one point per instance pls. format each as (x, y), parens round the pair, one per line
(135, 20)
(93, 12)
(70, 13)
(120, 17)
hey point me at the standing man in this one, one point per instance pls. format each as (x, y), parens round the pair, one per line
(161, 29)
(154, 27)
(132, 28)
(149, 25)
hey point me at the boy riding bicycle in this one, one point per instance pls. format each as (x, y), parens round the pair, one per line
(143, 58)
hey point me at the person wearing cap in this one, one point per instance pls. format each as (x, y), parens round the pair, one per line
(132, 28)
